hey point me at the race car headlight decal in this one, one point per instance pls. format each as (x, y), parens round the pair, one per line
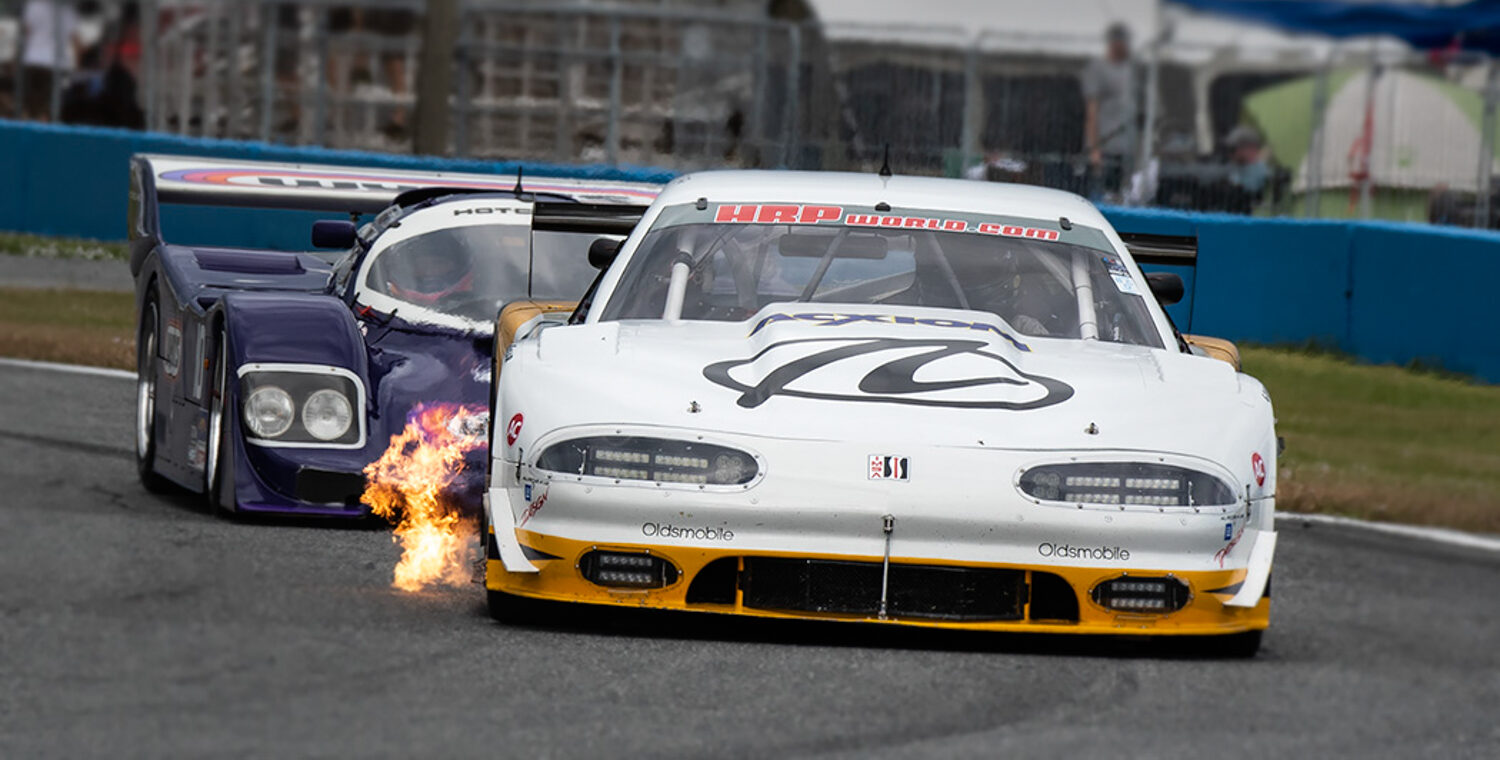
(269, 412)
(660, 460)
(327, 414)
(309, 406)
(1125, 483)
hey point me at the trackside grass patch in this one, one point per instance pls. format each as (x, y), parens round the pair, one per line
(72, 326)
(1383, 443)
(37, 246)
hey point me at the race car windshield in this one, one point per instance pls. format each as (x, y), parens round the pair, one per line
(472, 271)
(1041, 287)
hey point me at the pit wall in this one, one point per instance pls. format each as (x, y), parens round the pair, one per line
(1382, 291)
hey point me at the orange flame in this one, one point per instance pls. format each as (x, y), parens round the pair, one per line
(408, 486)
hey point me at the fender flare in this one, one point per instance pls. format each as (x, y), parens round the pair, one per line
(296, 328)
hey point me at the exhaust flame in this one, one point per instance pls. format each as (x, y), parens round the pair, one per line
(409, 486)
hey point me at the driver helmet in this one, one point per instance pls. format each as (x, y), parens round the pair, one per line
(432, 274)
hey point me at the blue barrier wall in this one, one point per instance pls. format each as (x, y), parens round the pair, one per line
(1383, 291)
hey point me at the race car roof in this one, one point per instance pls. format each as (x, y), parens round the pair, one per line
(322, 187)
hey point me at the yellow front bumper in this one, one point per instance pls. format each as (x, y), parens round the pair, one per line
(561, 579)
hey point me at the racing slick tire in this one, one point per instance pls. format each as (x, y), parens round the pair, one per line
(218, 470)
(1236, 646)
(510, 609)
(146, 342)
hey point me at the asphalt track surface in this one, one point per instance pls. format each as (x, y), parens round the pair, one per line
(133, 625)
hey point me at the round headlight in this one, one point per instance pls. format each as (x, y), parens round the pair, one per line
(327, 414)
(269, 412)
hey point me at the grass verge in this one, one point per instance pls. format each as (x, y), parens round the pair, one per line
(1382, 443)
(37, 246)
(73, 326)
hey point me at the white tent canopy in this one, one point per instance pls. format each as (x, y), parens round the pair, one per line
(1059, 27)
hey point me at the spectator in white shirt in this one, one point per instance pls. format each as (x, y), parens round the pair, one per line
(49, 50)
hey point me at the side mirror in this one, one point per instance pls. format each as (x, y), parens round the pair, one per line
(602, 252)
(1167, 287)
(333, 233)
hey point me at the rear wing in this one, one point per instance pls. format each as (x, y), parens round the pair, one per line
(1162, 250)
(581, 204)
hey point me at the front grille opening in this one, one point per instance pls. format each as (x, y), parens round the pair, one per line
(715, 583)
(1142, 594)
(1052, 599)
(316, 486)
(627, 570)
(915, 591)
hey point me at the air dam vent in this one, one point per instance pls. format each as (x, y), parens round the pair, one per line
(915, 591)
(627, 570)
(1139, 594)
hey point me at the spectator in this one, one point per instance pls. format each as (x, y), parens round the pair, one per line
(397, 27)
(45, 24)
(1249, 171)
(1111, 112)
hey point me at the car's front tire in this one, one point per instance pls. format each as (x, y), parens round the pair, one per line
(1237, 646)
(146, 342)
(523, 611)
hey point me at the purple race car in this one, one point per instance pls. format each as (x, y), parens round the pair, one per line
(268, 380)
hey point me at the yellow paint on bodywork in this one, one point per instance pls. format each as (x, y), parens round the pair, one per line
(517, 313)
(560, 580)
(1216, 348)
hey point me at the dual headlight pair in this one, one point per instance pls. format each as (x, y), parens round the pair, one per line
(288, 407)
(662, 460)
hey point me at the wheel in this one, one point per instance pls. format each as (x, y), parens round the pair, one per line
(1237, 646)
(218, 467)
(145, 399)
(524, 611)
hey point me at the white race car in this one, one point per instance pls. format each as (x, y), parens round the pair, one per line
(890, 399)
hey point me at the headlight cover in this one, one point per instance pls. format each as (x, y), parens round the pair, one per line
(269, 412)
(659, 460)
(309, 406)
(327, 414)
(1137, 484)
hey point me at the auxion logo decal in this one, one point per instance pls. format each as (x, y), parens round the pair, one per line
(839, 320)
(825, 368)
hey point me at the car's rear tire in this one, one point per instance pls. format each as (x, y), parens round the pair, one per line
(146, 342)
(218, 470)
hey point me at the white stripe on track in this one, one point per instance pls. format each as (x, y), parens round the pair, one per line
(1421, 532)
(76, 369)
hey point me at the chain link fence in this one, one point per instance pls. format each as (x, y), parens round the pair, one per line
(1293, 127)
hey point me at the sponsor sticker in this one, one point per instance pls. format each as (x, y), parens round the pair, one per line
(1258, 468)
(888, 467)
(172, 348)
(534, 507)
(1124, 283)
(689, 533)
(1228, 531)
(1069, 551)
(513, 428)
(766, 213)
